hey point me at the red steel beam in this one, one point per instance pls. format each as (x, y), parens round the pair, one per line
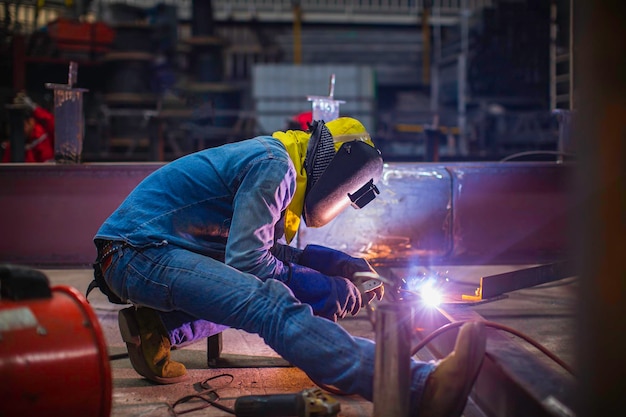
(426, 213)
(49, 213)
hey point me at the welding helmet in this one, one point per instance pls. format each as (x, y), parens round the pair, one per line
(342, 165)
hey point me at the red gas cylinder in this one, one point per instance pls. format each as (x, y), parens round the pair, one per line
(53, 355)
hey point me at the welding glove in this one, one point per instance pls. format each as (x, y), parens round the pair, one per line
(330, 296)
(333, 262)
(336, 263)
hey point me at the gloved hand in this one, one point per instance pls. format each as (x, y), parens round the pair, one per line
(24, 100)
(333, 262)
(329, 296)
(336, 263)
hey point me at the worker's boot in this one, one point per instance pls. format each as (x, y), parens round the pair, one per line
(149, 346)
(449, 385)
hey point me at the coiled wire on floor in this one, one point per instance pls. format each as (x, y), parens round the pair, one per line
(206, 398)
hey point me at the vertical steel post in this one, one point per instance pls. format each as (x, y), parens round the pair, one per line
(434, 84)
(564, 144)
(68, 118)
(426, 41)
(570, 64)
(297, 33)
(392, 360)
(326, 108)
(599, 42)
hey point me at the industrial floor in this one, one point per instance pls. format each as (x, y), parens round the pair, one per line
(545, 313)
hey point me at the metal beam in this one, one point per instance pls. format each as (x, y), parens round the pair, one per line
(50, 212)
(492, 286)
(430, 214)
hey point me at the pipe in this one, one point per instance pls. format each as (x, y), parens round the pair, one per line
(392, 360)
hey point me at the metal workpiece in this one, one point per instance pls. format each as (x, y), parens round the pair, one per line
(426, 214)
(459, 213)
(492, 286)
(410, 218)
(326, 107)
(392, 370)
(68, 118)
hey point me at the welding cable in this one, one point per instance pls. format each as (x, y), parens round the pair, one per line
(498, 326)
(457, 324)
(209, 396)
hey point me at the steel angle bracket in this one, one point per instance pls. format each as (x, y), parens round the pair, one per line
(494, 286)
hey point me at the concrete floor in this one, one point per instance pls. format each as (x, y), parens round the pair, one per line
(545, 312)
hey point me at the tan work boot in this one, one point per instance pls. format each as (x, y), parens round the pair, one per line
(149, 346)
(448, 387)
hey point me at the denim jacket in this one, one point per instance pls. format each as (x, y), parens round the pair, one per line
(225, 202)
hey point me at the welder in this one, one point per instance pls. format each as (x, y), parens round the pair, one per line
(203, 244)
(38, 132)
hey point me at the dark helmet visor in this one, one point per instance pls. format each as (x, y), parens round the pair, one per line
(348, 179)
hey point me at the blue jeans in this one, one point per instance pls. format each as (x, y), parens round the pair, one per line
(184, 285)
